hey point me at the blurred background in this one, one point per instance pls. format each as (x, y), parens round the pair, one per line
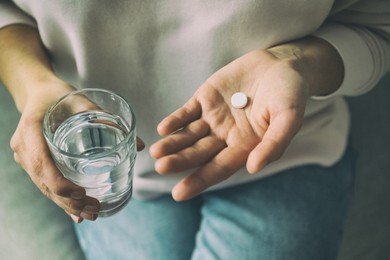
(367, 234)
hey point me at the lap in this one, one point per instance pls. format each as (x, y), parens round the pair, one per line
(157, 229)
(297, 214)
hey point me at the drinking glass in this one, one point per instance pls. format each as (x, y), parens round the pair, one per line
(91, 135)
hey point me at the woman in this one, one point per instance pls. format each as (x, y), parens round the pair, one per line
(294, 61)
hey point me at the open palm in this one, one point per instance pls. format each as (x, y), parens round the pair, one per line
(208, 134)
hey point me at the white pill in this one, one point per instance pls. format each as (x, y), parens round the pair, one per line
(239, 100)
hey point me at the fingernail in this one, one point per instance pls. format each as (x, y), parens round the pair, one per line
(77, 195)
(76, 219)
(90, 212)
(91, 209)
(88, 216)
(140, 144)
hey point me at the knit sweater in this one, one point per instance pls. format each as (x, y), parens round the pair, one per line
(157, 53)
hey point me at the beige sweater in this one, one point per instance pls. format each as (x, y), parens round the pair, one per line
(157, 53)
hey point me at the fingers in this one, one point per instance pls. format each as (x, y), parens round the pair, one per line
(40, 167)
(87, 208)
(281, 130)
(31, 152)
(180, 140)
(193, 156)
(140, 144)
(180, 118)
(76, 219)
(60, 191)
(223, 165)
(63, 192)
(90, 211)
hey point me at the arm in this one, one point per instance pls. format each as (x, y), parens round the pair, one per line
(344, 58)
(220, 139)
(25, 62)
(361, 34)
(28, 75)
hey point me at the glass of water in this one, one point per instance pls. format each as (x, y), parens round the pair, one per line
(92, 138)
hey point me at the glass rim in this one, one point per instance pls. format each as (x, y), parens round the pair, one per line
(98, 155)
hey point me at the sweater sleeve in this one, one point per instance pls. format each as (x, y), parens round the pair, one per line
(361, 34)
(11, 14)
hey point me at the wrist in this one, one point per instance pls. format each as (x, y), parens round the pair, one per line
(316, 60)
(41, 94)
(26, 69)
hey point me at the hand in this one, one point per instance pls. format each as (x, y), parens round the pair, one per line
(32, 153)
(219, 138)
(34, 87)
(208, 133)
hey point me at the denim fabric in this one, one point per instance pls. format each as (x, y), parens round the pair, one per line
(296, 215)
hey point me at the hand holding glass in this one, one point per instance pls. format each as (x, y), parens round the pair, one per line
(92, 138)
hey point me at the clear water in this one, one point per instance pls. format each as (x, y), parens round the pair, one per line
(98, 164)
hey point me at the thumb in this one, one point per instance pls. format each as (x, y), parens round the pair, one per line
(140, 144)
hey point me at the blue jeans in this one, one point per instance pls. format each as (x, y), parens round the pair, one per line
(297, 215)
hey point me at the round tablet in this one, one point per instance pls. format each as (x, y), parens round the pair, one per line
(239, 100)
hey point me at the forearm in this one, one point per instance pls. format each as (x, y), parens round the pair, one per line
(25, 67)
(316, 60)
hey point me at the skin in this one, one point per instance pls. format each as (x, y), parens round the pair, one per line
(28, 75)
(206, 133)
(219, 139)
